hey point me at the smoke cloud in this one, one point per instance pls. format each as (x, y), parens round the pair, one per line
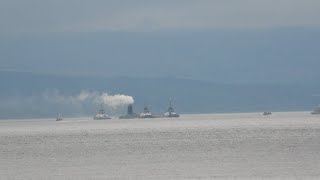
(89, 97)
(116, 100)
(53, 102)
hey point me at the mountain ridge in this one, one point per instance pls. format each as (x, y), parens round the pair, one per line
(189, 96)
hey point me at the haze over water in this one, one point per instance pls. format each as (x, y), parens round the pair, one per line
(208, 56)
(245, 145)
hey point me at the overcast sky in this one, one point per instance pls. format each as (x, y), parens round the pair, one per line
(149, 15)
(216, 40)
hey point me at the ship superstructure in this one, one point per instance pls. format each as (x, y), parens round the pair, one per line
(101, 114)
(130, 114)
(59, 118)
(170, 112)
(146, 113)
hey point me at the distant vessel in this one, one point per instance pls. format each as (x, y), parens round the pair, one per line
(101, 115)
(59, 118)
(316, 110)
(130, 114)
(267, 113)
(146, 113)
(170, 113)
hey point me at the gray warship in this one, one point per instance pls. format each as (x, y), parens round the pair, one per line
(170, 112)
(101, 115)
(59, 118)
(130, 114)
(146, 113)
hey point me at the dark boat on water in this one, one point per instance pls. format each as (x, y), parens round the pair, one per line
(316, 110)
(267, 113)
(130, 114)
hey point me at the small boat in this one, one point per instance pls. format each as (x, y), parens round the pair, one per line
(101, 115)
(316, 110)
(59, 118)
(267, 113)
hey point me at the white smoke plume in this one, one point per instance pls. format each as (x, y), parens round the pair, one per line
(89, 97)
(52, 102)
(113, 101)
(116, 100)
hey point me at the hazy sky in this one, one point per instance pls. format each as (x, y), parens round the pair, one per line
(146, 15)
(214, 40)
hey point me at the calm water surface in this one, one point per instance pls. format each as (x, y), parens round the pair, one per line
(246, 145)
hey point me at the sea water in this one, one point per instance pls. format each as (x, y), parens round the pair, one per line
(244, 145)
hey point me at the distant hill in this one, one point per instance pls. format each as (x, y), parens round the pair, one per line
(21, 95)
